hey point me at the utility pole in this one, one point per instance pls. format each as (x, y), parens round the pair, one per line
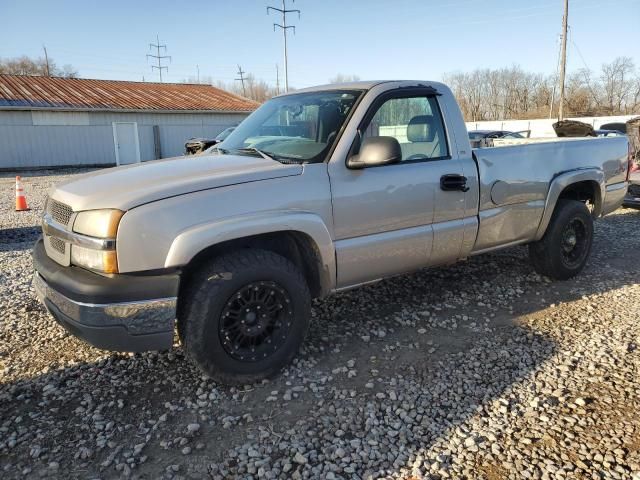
(277, 80)
(563, 58)
(241, 79)
(555, 83)
(284, 28)
(158, 57)
(46, 59)
(198, 69)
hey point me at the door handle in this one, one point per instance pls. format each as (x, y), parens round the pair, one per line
(453, 181)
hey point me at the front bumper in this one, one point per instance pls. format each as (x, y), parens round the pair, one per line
(130, 313)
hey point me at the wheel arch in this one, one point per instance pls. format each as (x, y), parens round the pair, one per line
(303, 238)
(583, 185)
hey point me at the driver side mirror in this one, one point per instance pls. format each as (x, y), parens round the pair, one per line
(376, 151)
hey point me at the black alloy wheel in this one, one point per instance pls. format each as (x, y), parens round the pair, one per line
(256, 321)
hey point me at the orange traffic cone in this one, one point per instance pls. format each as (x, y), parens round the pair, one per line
(21, 200)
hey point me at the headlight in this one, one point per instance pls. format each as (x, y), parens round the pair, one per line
(98, 223)
(104, 261)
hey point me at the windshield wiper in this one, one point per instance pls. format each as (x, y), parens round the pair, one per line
(266, 156)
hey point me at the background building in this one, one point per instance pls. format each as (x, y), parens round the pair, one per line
(52, 122)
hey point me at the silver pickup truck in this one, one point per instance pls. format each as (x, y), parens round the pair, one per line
(318, 191)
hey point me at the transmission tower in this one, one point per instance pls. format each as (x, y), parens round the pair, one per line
(241, 79)
(283, 11)
(158, 57)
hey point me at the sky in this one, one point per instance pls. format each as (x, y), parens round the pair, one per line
(373, 39)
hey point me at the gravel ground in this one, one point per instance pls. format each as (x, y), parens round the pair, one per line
(479, 370)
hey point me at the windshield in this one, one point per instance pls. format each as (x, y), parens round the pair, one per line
(300, 127)
(224, 134)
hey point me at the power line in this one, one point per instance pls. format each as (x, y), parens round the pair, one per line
(241, 79)
(587, 69)
(578, 49)
(159, 57)
(283, 11)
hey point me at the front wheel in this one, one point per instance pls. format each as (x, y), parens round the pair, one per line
(244, 316)
(564, 249)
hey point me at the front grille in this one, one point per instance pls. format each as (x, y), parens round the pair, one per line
(57, 244)
(60, 212)
(634, 190)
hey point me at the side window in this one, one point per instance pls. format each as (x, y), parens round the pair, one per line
(415, 122)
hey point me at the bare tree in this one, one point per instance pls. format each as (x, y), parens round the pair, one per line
(580, 97)
(342, 78)
(255, 89)
(616, 78)
(36, 67)
(634, 97)
(508, 93)
(68, 71)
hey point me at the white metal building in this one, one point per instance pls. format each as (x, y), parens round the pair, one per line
(51, 122)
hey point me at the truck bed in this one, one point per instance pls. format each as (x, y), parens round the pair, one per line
(515, 178)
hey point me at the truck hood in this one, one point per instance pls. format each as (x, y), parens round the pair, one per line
(132, 185)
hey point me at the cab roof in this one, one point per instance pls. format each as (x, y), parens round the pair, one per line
(367, 85)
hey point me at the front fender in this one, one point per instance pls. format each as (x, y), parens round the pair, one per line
(562, 181)
(195, 239)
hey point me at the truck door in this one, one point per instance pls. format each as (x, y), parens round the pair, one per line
(396, 218)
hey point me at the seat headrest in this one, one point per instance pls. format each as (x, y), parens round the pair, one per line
(421, 128)
(329, 117)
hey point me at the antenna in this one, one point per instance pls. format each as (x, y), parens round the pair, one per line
(159, 57)
(241, 79)
(277, 80)
(284, 28)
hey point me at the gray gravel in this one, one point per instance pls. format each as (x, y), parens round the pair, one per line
(479, 370)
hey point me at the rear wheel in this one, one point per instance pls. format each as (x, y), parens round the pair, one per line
(564, 249)
(245, 315)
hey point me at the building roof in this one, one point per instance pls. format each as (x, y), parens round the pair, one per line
(55, 93)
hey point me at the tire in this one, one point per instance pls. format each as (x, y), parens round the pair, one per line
(564, 249)
(222, 324)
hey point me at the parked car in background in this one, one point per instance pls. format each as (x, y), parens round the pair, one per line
(617, 126)
(632, 129)
(482, 138)
(194, 146)
(317, 191)
(573, 129)
(608, 133)
(632, 199)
